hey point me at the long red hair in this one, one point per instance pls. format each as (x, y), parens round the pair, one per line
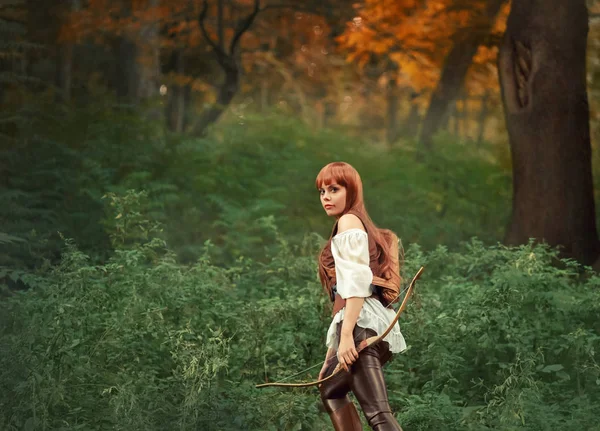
(345, 175)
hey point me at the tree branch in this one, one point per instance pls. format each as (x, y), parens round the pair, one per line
(220, 26)
(244, 26)
(221, 54)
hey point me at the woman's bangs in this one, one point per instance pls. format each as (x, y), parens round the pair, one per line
(330, 175)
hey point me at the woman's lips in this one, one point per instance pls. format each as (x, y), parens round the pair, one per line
(328, 206)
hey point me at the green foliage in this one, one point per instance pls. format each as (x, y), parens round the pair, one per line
(60, 165)
(501, 333)
(124, 332)
(498, 338)
(227, 188)
(144, 343)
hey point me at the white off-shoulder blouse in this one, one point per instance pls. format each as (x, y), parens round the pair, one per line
(350, 250)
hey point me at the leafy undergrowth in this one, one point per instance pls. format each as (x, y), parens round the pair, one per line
(498, 338)
(226, 186)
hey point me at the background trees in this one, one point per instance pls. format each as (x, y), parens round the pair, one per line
(133, 49)
(394, 72)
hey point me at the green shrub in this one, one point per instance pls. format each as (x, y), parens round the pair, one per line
(498, 338)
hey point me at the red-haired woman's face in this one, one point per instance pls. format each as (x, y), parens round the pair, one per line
(333, 199)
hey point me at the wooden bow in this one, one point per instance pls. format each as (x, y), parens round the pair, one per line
(363, 344)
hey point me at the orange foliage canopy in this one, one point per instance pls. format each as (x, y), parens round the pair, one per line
(414, 34)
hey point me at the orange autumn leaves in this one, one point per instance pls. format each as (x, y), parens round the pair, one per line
(100, 20)
(416, 35)
(296, 47)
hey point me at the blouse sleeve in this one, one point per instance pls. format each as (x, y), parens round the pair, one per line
(350, 250)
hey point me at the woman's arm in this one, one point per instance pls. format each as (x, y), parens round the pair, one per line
(347, 353)
(353, 307)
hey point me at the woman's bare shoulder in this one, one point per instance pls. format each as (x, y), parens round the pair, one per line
(349, 221)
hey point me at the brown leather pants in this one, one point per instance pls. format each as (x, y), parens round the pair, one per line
(366, 382)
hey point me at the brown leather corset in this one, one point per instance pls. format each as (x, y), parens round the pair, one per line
(329, 266)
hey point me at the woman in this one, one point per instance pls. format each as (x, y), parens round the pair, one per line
(358, 267)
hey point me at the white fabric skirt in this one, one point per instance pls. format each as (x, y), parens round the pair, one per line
(375, 316)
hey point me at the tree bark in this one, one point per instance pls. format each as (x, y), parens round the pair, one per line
(64, 70)
(455, 69)
(176, 105)
(64, 56)
(148, 61)
(228, 60)
(542, 68)
(137, 67)
(450, 119)
(464, 116)
(226, 93)
(411, 125)
(483, 114)
(126, 71)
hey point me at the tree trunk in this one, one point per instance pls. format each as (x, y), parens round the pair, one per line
(463, 116)
(64, 68)
(411, 125)
(483, 114)
(187, 101)
(228, 59)
(542, 68)
(453, 75)
(227, 91)
(126, 72)
(137, 68)
(392, 110)
(176, 106)
(450, 119)
(64, 57)
(148, 61)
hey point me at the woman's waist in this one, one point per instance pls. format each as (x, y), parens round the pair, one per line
(339, 302)
(372, 313)
(372, 302)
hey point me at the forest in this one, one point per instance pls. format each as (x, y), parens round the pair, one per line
(160, 225)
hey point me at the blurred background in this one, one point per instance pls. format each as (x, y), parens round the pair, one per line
(160, 222)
